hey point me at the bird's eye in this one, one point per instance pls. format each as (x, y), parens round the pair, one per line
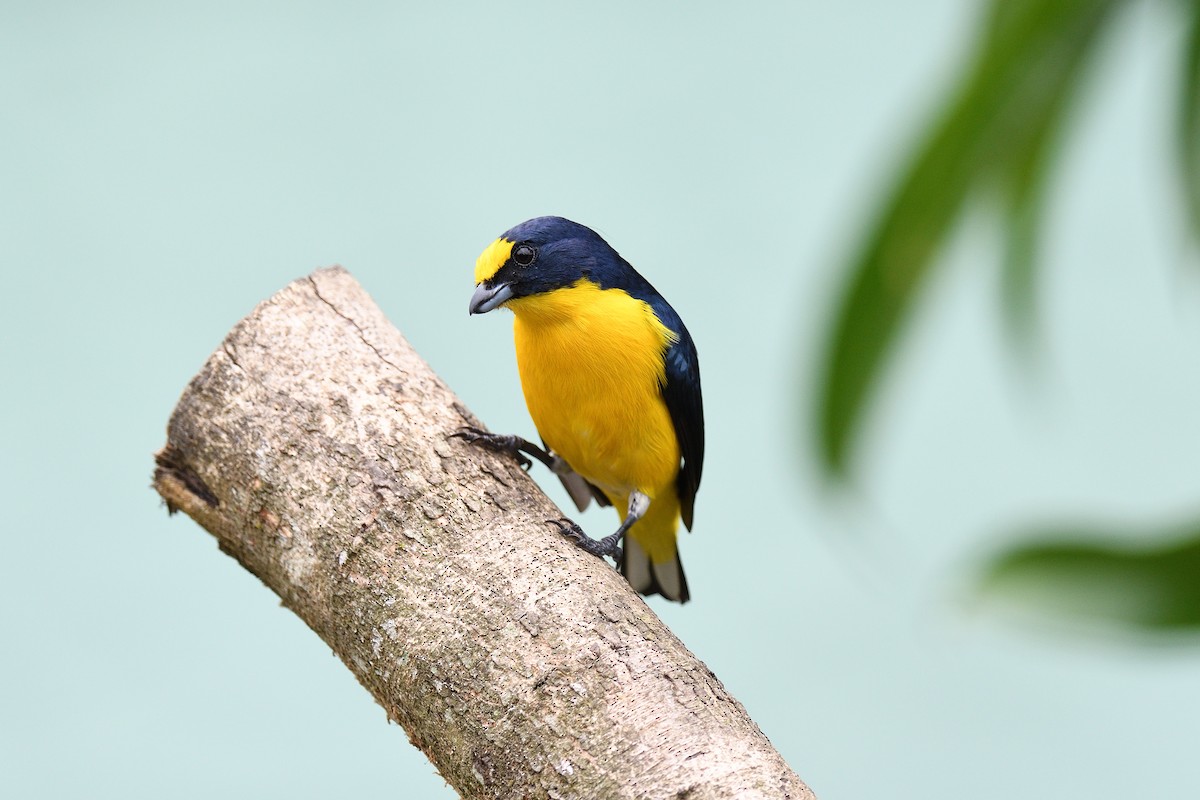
(524, 254)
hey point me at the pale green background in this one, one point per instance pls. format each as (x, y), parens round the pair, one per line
(165, 167)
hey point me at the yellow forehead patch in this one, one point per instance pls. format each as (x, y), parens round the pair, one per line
(492, 259)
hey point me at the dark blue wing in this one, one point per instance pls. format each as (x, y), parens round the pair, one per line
(681, 391)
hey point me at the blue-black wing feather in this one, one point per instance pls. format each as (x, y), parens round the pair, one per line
(681, 392)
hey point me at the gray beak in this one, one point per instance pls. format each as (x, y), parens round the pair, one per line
(488, 297)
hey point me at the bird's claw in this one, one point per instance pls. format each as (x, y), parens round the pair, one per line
(496, 442)
(597, 547)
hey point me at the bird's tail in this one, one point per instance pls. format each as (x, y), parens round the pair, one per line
(650, 577)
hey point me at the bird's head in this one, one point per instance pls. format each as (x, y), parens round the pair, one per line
(538, 256)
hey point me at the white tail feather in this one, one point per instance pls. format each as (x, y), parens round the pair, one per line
(637, 566)
(670, 578)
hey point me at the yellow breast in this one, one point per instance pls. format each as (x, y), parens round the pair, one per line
(591, 364)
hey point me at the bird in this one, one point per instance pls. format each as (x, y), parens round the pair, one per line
(611, 380)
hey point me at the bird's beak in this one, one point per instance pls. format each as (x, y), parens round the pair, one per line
(488, 297)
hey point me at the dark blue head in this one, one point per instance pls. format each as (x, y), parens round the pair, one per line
(544, 254)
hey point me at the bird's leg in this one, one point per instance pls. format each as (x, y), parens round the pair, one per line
(610, 545)
(513, 446)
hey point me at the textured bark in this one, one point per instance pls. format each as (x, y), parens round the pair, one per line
(313, 445)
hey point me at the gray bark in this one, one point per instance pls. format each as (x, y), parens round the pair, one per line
(313, 445)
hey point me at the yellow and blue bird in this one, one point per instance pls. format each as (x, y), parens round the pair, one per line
(612, 382)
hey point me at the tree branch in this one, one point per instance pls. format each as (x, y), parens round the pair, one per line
(313, 446)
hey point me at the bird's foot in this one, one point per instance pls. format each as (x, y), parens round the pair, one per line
(496, 442)
(608, 546)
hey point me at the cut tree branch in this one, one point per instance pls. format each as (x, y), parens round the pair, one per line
(313, 445)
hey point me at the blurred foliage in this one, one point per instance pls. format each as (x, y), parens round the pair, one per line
(996, 136)
(997, 133)
(1101, 576)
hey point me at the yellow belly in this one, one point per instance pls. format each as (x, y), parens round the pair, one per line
(591, 369)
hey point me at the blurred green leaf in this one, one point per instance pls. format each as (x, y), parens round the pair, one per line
(1031, 152)
(1112, 577)
(1189, 118)
(1000, 126)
